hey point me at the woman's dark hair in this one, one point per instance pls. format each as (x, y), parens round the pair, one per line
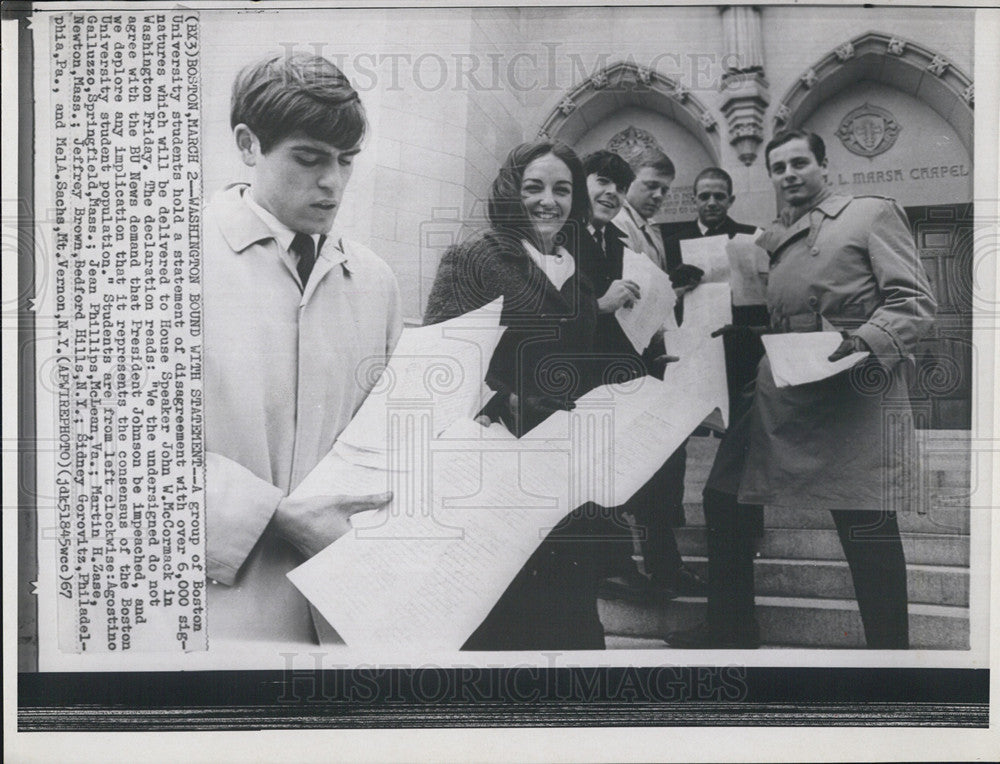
(506, 211)
(815, 143)
(297, 93)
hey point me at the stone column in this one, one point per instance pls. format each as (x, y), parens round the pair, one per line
(744, 88)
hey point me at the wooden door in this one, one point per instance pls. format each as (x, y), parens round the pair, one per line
(941, 388)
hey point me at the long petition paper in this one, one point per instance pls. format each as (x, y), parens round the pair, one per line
(471, 504)
(800, 357)
(654, 310)
(439, 368)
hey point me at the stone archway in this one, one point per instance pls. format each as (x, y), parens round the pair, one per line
(627, 107)
(902, 64)
(914, 143)
(623, 85)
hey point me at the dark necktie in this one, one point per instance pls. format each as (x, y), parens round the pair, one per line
(302, 245)
(599, 239)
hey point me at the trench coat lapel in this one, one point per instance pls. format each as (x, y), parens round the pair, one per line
(241, 228)
(239, 225)
(781, 237)
(777, 237)
(329, 257)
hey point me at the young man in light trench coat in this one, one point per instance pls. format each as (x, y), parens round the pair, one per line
(293, 319)
(844, 444)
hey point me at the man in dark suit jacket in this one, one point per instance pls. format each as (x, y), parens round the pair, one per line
(600, 257)
(713, 196)
(713, 190)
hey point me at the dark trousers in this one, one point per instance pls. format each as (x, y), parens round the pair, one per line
(871, 545)
(875, 555)
(658, 508)
(731, 532)
(552, 602)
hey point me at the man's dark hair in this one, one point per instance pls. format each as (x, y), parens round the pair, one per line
(611, 166)
(656, 159)
(714, 173)
(297, 93)
(816, 145)
(505, 209)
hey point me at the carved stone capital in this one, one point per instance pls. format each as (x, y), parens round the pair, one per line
(845, 52)
(896, 47)
(599, 81)
(745, 100)
(748, 130)
(937, 65)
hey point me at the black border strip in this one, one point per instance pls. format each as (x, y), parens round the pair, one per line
(255, 700)
(493, 697)
(27, 524)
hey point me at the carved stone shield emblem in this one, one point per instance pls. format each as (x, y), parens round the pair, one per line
(868, 130)
(631, 142)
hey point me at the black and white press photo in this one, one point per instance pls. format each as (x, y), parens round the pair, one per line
(609, 350)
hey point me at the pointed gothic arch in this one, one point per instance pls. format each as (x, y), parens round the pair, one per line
(625, 84)
(901, 64)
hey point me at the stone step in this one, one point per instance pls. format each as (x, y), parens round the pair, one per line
(789, 622)
(942, 519)
(820, 544)
(831, 579)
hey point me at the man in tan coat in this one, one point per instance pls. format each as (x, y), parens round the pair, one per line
(843, 444)
(293, 319)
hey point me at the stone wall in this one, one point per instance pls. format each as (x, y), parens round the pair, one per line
(450, 91)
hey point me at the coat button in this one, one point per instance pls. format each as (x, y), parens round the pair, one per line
(814, 251)
(813, 302)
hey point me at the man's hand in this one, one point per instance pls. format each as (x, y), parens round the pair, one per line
(658, 365)
(538, 406)
(622, 292)
(686, 275)
(744, 333)
(850, 344)
(312, 524)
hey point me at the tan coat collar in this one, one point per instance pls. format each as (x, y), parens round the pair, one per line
(241, 227)
(779, 235)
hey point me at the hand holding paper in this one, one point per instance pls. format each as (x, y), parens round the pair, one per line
(748, 265)
(312, 523)
(709, 254)
(850, 344)
(801, 358)
(653, 309)
(621, 294)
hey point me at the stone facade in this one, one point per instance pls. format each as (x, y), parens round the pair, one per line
(450, 91)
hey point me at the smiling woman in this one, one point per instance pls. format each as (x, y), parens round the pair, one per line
(538, 209)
